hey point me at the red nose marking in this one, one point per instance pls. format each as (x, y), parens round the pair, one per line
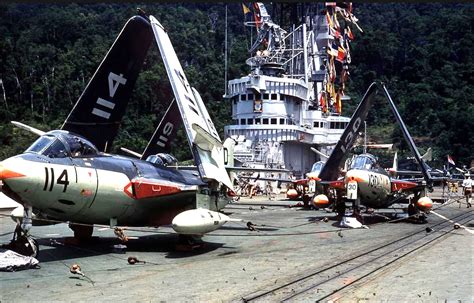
(7, 174)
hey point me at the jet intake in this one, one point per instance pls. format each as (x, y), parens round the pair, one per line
(199, 221)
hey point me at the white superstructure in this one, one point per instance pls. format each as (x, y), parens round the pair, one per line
(277, 116)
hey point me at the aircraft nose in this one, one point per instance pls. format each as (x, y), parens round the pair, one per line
(6, 173)
(352, 176)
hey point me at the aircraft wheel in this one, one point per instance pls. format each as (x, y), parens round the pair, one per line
(34, 246)
(306, 199)
(187, 243)
(24, 245)
(412, 209)
(82, 232)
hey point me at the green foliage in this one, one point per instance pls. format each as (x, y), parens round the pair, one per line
(423, 52)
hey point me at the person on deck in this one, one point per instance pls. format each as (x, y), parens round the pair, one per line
(467, 185)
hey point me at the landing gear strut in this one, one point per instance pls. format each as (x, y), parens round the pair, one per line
(356, 210)
(414, 215)
(22, 242)
(188, 243)
(340, 209)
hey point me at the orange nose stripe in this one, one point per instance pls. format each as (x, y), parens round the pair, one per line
(354, 178)
(7, 174)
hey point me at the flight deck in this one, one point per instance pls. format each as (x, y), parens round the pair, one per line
(294, 254)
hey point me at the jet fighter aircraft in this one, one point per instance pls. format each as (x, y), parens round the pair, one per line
(65, 176)
(365, 182)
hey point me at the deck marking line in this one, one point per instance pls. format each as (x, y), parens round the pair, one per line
(443, 217)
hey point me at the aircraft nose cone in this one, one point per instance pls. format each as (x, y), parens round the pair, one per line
(6, 173)
(2, 168)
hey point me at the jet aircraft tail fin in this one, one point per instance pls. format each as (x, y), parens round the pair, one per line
(330, 170)
(428, 156)
(203, 138)
(394, 169)
(164, 134)
(99, 110)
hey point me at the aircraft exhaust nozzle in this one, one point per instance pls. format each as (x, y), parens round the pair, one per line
(198, 221)
(424, 204)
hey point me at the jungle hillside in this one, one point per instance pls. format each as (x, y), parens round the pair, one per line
(422, 52)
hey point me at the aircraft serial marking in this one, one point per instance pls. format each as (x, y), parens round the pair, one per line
(62, 179)
(114, 81)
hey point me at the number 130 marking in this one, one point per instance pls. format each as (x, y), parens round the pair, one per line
(62, 179)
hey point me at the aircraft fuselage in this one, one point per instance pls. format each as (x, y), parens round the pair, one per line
(373, 188)
(97, 188)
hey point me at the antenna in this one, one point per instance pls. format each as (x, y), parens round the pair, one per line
(365, 137)
(225, 54)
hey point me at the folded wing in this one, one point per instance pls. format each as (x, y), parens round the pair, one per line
(203, 138)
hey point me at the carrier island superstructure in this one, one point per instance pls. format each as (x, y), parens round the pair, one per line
(284, 106)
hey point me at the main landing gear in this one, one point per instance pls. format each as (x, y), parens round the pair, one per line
(415, 215)
(22, 242)
(340, 209)
(187, 243)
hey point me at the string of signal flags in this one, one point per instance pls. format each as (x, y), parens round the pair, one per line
(338, 54)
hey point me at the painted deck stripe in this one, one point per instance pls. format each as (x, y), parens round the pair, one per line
(443, 217)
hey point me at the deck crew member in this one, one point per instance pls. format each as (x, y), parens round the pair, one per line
(467, 184)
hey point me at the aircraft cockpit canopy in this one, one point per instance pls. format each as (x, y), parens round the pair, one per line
(317, 167)
(364, 161)
(162, 159)
(62, 144)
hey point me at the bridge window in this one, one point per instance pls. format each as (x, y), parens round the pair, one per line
(273, 121)
(243, 97)
(250, 97)
(249, 121)
(274, 96)
(266, 96)
(265, 120)
(282, 121)
(242, 122)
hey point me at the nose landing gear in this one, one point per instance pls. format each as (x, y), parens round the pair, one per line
(22, 242)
